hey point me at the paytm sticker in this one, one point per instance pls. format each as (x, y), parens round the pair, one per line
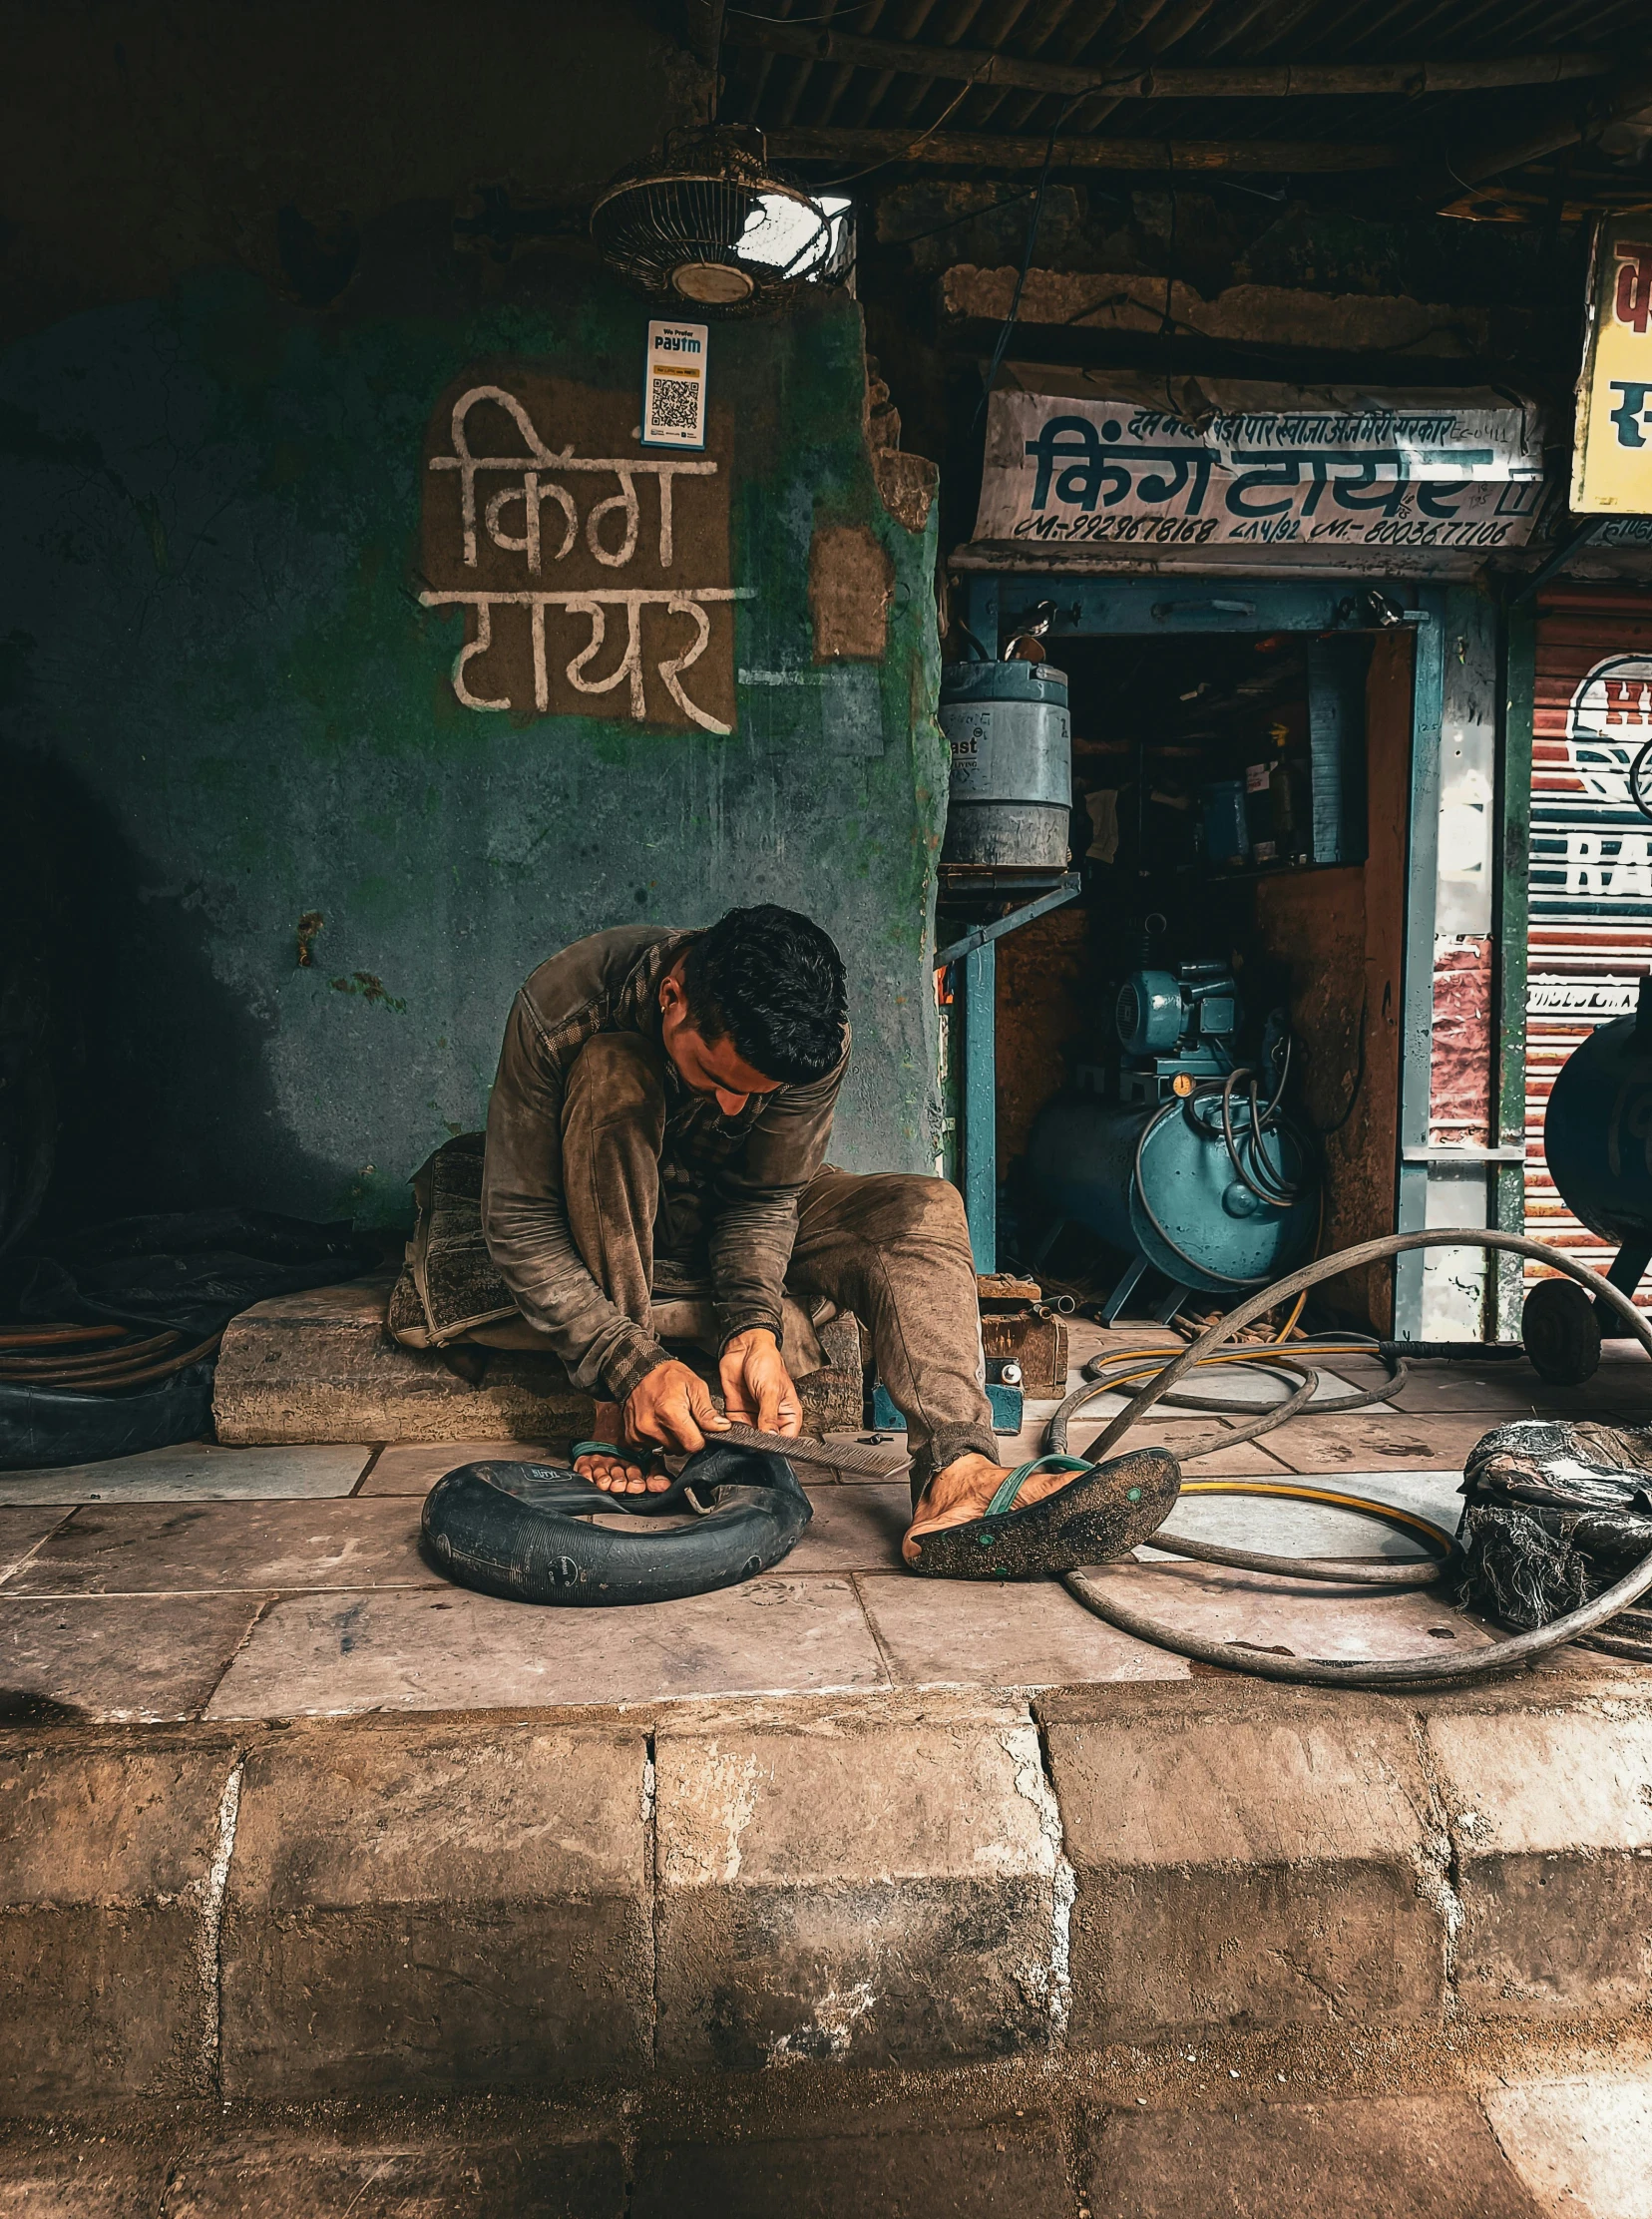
(673, 386)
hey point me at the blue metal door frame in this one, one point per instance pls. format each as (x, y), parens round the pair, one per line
(990, 601)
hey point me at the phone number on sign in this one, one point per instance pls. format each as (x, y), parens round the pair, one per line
(1184, 531)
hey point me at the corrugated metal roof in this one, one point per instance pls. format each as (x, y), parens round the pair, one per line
(783, 91)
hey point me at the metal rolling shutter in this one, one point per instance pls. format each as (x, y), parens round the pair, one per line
(1591, 930)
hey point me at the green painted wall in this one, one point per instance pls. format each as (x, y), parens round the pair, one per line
(214, 663)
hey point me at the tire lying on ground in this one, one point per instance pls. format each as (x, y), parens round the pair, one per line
(523, 1530)
(44, 1426)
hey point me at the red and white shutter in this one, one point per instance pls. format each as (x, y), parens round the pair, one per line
(1589, 937)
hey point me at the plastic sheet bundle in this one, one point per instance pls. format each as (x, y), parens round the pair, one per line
(1554, 1514)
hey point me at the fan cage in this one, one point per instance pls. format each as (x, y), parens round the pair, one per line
(776, 234)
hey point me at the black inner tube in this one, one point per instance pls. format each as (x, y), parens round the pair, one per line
(524, 1531)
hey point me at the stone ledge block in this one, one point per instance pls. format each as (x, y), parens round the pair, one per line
(434, 2174)
(881, 1890)
(106, 1873)
(433, 1908)
(1550, 1814)
(1383, 2157)
(1243, 1865)
(969, 2169)
(319, 1366)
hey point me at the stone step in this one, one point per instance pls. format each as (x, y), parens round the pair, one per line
(319, 1366)
(402, 1907)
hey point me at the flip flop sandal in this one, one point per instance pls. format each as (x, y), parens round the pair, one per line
(1101, 1515)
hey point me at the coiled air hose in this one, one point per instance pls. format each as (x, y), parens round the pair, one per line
(1404, 1671)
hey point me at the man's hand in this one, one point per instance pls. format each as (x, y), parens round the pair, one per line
(672, 1405)
(757, 1387)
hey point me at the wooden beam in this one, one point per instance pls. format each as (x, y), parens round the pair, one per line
(981, 151)
(1268, 81)
(1566, 126)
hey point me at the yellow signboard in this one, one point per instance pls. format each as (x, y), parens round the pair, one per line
(1612, 461)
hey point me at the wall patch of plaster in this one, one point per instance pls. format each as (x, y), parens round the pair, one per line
(851, 583)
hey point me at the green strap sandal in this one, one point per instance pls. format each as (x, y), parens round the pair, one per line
(645, 1460)
(1101, 1513)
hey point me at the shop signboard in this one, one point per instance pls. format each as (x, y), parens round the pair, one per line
(1126, 464)
(593, 574)
(1612, 455)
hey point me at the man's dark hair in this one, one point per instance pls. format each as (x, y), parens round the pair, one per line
(771, 981)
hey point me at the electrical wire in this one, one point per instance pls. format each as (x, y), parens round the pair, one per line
(1406, 1672)
(1033, 222)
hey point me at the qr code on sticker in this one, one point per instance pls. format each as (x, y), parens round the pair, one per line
(674, 403)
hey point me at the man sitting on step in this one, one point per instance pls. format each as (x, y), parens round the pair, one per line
(663, 1111)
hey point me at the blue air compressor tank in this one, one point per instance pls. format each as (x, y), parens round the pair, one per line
(1116, 1167)
(1011, 764)
(1597, 1131)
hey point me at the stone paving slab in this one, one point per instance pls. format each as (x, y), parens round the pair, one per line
(117, 1657)
(414, 1467)
(1280, 1526)
(1405, 1442)
(196, 1472)
(457, 1650)
(877, 1886)
(855, 1528)
(1551, 1810)
(968, 2144)
(1393, 2157)
(45, 2181)
(1248, 1459)
(1296, 1618)
(390, 1907)
(281, 2176)
(200, 1548)
(419, 1909)
(1246, 1862)
(20, 1533)
(981, 2171)
(1582, 2148)
(1506, 1391)
(952, 1633)
(105, 1856)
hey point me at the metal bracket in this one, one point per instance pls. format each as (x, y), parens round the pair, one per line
(978, 935)
(1462, 1155)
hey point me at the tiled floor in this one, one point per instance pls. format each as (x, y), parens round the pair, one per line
(270, 1583)
(197, 1472)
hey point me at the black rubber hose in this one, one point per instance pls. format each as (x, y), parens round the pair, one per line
(1056, 1434)
(1406, 1672)
(1346, 1573)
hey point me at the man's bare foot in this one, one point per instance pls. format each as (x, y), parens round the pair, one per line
(963, 1490)
(617, 1475)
